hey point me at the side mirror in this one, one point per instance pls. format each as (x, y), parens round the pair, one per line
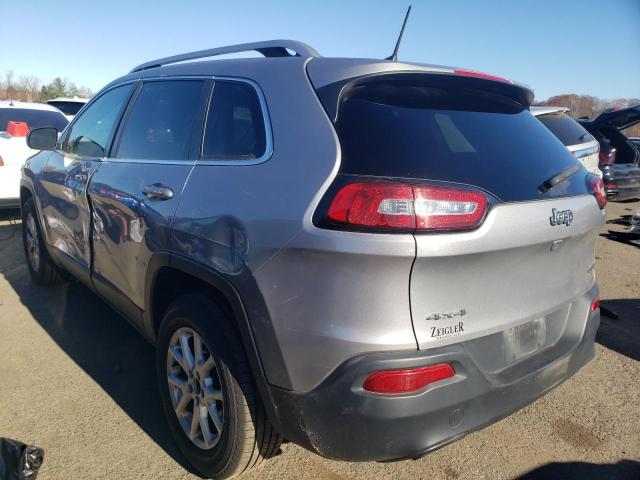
(42, 138)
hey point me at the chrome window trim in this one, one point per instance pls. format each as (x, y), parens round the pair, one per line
(210, 162)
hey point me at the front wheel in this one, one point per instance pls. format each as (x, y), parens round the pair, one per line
(207, 391)
(41, 268)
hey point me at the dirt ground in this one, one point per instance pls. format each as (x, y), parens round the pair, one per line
(79, 382)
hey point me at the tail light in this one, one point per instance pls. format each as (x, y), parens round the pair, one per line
(607, 158)
(598, 188)
(407, 208)
(610, 186)
(407, 381)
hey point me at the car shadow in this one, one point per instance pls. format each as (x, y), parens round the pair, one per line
(620, 326)
(97, 339)
(623, 470)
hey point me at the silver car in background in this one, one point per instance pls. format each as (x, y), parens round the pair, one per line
(573, 135)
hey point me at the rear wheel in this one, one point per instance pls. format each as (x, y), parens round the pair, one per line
(41, 268)
(207, 391)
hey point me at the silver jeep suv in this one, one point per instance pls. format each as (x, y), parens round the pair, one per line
(368, 258)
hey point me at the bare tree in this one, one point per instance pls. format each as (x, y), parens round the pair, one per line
(8, 83)
(29, 87)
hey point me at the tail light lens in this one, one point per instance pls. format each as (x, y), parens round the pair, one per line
(608, 158)
(597, 187)
(407, 381)
(401, 207)
(595, 305)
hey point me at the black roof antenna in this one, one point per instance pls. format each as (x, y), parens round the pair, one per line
(394, 55)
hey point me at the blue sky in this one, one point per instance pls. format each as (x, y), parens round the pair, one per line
(562, 46)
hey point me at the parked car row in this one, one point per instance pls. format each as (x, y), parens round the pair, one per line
(387, 257)
(619, 155)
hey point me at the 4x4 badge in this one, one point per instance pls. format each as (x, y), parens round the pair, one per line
(560, 217)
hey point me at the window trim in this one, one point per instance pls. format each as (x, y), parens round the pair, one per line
(64, 137)
(268, 149)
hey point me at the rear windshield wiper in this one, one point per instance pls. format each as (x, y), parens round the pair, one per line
(559, 178)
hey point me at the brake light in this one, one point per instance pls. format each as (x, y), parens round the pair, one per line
(607, 158)
(597, 187)
(486, 76)
(402, 207)
(595, 305)
(611, 186)
(406, 381)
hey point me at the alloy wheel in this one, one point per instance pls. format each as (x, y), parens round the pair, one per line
(33, 245)
(195, 388)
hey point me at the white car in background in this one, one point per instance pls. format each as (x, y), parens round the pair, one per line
(68, 105)
(16, 119)
(575, 137)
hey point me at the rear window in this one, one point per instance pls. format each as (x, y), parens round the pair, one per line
(33, 118)
(566, 129)
(163, 121)
(68, 108)
(411, 130)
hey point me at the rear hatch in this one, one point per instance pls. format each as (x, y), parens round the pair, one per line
(530, 256)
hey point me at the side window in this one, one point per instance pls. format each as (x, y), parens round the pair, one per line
(92, 130)
(165, 117)
(235, 127)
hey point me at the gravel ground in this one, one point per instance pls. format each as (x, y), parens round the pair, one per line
(79, 382)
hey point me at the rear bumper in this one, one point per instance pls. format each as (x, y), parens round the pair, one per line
(340, 420)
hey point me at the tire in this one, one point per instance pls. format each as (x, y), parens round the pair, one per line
(41, 268)
(227, 391)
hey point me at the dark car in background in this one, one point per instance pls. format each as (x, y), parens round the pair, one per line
(619, 155)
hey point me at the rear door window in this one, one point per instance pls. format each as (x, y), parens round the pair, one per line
(406, 129)
(566, 129)
(165, 121)
(235, 128)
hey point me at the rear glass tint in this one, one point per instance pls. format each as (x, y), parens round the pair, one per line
(163, 120)
(566, 129)
(409, 130)
(33, 118)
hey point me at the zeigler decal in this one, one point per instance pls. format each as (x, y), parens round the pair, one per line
(448, 331)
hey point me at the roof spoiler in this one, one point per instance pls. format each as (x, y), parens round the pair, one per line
(332, 94)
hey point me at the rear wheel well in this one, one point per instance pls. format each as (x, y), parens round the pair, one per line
(171, 283)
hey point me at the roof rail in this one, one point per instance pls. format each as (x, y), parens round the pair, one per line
(269, 48)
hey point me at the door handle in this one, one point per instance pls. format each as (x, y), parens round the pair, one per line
(157, 191)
